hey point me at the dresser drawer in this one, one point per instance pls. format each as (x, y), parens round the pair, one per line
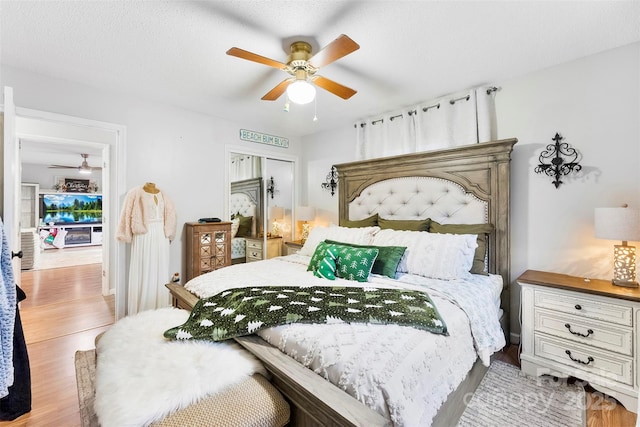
(599, 334)
(607, 365)
(589, 307)
(254, 255)
(254, 244)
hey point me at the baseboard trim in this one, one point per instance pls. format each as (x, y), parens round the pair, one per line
(515, 338)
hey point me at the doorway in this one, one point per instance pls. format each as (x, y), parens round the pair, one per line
(106, 141)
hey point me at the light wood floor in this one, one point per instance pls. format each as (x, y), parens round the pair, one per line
(64, 312)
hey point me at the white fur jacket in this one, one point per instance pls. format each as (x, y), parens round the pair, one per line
(134, 221)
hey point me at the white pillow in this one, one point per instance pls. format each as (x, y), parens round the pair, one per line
(235, 223)
(438, 256)
(356, 236)
(58, 241)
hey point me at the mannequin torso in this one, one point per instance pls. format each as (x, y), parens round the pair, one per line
(150, 187)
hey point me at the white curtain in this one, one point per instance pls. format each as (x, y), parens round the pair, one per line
(458, 119)
(244, 166)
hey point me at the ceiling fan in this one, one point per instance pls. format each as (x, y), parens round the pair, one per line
(303, 66)
(83, 168)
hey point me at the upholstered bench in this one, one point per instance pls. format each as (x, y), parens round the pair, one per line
(253, 401)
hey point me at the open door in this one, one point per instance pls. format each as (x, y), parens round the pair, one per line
(12, 173)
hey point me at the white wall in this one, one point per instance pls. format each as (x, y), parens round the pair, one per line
(46, 177)
(594, 103)
(182, 151)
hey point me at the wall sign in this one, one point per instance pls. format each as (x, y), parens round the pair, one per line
(263, 138)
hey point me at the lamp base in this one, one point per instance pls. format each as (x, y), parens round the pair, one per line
(625, 283)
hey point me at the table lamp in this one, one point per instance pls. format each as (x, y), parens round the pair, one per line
(620, 224)
(276, 213)
(304, 214)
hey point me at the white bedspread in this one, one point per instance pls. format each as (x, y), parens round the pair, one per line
(402, 373)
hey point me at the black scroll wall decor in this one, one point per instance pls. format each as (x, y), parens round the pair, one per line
(558, 160)
(331, 181)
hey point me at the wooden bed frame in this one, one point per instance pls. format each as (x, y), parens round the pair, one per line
(482, 169)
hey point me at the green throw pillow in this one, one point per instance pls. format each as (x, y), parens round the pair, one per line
(327, 266)
(367, 222)
(405, 224)
(387, 261)
(244, 228)
(480, 229)
(352, 263)
(355, 263)
(318, 255)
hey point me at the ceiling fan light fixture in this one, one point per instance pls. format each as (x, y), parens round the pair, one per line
(301, 92)
(85, 171)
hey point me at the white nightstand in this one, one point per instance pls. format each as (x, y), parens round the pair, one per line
(587, 329)
(293, 247)
(255, 248)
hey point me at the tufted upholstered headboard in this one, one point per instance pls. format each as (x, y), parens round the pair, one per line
(246, 198)
(462, 185)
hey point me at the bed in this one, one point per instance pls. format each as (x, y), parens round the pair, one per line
(245, 200)
(464, 185)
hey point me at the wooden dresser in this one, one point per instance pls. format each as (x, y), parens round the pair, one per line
(208, 247)
(585, 328)
(255, 248)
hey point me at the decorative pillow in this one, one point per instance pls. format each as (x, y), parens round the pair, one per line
(244, 228)
(481, 230)
(405, 224)
(318, 255)
(327, 266)
(387, 261)
(354, 263)
(438, 256)
(367, 222)
(235, 224)
(359, 236)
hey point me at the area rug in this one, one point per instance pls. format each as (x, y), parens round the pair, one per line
(506, 397)
(67, 257)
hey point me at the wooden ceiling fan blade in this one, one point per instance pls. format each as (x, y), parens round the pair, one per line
(62, 167)
(250, 56)
(333, 87)
(340, 47)
(275, 93)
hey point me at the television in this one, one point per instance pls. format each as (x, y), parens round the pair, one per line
(71, 208)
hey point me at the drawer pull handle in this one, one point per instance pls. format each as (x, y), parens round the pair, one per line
(589, 331)
(590, 359)
(578, 307)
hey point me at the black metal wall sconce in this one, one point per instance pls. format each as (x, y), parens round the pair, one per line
(558, 160)
(271, 187)
(331, 181)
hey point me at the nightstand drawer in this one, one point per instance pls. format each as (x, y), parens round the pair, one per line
(607, 365)
(254, 255)
(591, 307)
(599, 334)
(254, 244)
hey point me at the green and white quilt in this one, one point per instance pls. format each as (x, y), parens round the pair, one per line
(243, 311)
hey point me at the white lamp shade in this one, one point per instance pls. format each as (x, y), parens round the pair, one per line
(301, 92)
(276, 212)
(617, 224)
(305, 213)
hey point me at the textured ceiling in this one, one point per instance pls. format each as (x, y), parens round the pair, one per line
(174, 51)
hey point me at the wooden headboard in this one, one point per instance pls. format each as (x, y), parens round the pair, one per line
(481, 170)
(248, 200)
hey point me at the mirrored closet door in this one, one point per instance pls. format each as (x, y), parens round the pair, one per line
(260, 201)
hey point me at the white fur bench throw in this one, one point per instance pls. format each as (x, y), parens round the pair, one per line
(141, 377)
